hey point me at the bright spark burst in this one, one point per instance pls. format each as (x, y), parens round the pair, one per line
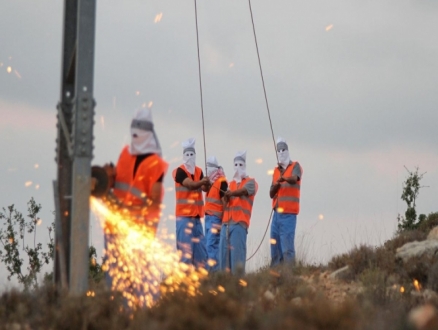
(259, 161)
(329, 27)
(8, 69)
(243, 283)
(220, 288)
(158, 17)
(273, 241)
(142, 266)
(270, 172)
(402, 289)
(28, 183)
(321, 217)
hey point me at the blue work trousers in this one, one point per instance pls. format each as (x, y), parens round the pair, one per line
(212, 237)
(233, 248)
(190, 240)
(283, 238)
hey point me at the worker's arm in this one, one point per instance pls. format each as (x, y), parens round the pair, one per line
(290, 179)
(274, 189)
(155, 199)
(204, 183)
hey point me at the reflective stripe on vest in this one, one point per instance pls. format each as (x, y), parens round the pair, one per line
(239, 208)
(132, 190)
(287, 199)
(189, 203)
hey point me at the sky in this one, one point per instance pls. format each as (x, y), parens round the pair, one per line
(352, 86)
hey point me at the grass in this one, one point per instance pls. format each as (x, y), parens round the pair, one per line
(277, 298)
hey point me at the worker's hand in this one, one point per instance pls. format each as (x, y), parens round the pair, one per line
(205, 181)
(228, 195)
(281, 179)
(111, 172)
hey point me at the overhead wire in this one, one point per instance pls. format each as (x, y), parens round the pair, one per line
(265, 96)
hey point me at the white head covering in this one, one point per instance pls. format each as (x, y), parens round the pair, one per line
(214, 170)
(239, 166)
(283, 152)
(189, 155)
(143, 137)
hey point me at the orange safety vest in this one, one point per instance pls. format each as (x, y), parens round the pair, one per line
(133, 190)
(239, 208)
(213, 202)
(287, 199)
(189, 203)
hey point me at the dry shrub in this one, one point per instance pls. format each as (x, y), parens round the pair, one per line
(404, 237)
(430, 222)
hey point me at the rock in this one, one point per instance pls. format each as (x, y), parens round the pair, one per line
(269, 295)
(340, 272)
(417, 249)
(433, 234)
(297, 301)
(421, 316)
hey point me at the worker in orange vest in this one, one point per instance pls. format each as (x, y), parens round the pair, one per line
(189, 184)
(138, 181)
(214, 209)
(236, 218)
(285, 194)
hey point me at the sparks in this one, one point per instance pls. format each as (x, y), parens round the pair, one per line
(270, 172)
(28, 183)
(150, 104)
(243, 283)
(8, 69)
(102, 122)
(17, 74)
(158, 18)
(141, 265)
(259, 161)
(329, 27)
(321, 217)
(273, 241)
(417, 285)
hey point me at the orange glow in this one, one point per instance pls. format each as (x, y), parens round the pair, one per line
(417, 285)
(321, 217)
(242, 283)
(273, 241)
(402, 289)
(220, 288)
(8, 69)
(28, 183)
(142, 265)
(158, 17)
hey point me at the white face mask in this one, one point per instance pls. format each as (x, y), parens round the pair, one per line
(211, 170)
(283, 157)
(143, 142)
(239, 170)
(190, 161)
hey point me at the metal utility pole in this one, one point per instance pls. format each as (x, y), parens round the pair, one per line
(74, 147)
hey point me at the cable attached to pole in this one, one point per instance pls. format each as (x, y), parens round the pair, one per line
(200, 87)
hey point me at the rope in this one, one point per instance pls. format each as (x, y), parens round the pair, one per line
(200, 87)
(263, 238)
(263, 80)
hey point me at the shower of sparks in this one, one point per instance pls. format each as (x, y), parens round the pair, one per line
(17, 74)
(259, 161)
(329, 27)
(8, 69)
(28, 183)
(321, 217)
(141, 265)
(158, 17)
